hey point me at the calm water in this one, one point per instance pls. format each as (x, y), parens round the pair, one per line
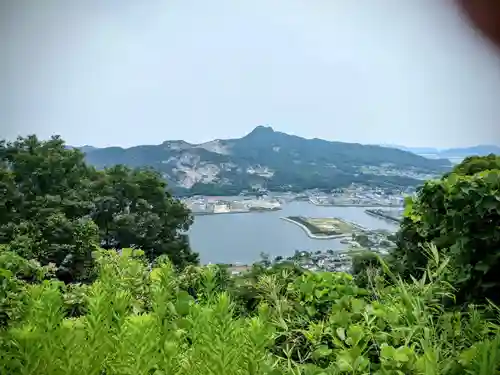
(230, 238)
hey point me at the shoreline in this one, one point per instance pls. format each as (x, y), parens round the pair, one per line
(315, 236)
(218, 213)
(234, 212)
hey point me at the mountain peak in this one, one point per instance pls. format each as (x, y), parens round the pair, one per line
(261, 129)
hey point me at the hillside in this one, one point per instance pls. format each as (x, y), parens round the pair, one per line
(269, 159)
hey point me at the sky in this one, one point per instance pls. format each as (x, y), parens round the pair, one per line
(127, 72)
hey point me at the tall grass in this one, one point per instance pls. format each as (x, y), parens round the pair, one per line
(135, 321)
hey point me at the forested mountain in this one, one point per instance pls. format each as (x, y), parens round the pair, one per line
(270, 159)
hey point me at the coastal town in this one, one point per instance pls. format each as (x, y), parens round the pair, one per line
(354, 196)
(318, 261)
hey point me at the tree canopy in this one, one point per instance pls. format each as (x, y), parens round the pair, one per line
(57, 209)
(458, 213)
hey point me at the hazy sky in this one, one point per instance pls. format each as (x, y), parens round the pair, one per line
(123, 72)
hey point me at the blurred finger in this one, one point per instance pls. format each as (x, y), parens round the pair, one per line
(484, 15)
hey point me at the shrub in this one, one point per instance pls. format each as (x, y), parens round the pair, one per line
(460, 215)
(304, 324)
(365, 266)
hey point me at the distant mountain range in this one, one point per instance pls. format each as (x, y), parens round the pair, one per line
(269, 159)
(452, 153)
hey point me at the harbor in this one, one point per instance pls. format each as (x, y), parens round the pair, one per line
(214, 206)
(264, 201)
(232, 229)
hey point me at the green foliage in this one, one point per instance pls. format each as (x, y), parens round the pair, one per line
(201, 283)
(365, 267)
(362, 239)
(475, 164)
(459, 214)
(138, 321)
(15, 273)
(56, 209)
(22, 269)
(134, 209)
(152, 311)
(11, 298)
(74, 299)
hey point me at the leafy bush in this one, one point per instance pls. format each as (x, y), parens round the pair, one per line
(75, 299)
(143, 322)
(11, 298)
(459, 214)
(15, 273)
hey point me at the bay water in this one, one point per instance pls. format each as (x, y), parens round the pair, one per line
(241, 237)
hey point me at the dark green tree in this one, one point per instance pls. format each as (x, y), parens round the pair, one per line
(134, 209)
(57, 209)
(45, 204)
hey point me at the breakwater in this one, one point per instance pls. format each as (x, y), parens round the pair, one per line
(383, 215)
(351, 204)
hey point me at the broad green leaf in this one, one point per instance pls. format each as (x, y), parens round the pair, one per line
(321, 352)
(341, 333)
